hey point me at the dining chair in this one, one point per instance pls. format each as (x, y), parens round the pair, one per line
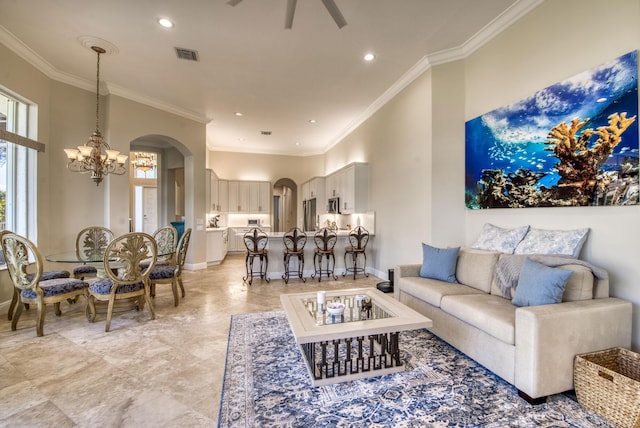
(325, 240)
(172, 274)
(255, 241)
(26, 267)
(294, 241)
(46, 275)
(91, 243)
(125, 279)
(358, 239)
(166, 237)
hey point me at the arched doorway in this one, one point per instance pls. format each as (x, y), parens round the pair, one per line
(157, 196)
(285, 202)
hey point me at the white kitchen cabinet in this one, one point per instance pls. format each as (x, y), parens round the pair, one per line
(234, 204)
(216, 245)
(252, 197)
(351, 185)
(316, 188)
(223, 196)
(214, 192)
(217, 193)
(264, 197)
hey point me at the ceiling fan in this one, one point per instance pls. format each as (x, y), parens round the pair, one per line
(330, 5)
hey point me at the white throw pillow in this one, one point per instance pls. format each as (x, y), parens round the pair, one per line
(495, 238)
(540, 241)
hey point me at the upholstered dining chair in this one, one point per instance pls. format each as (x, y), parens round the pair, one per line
(172, 273)
(125, 279)
(358, 239)
(166, 237)
(91, 243)
(46, 275)
(26, 267)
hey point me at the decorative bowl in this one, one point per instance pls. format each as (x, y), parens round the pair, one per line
(335, 308)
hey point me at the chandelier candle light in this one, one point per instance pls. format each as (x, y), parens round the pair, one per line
(144, 161)
(96, 157)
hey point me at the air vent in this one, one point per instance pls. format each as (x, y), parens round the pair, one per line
(265, 132)
(187, 54)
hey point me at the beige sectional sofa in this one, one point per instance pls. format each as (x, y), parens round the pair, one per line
(531, 347)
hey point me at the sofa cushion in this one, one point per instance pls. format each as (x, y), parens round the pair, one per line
(432, 290)
(540, 241)
(475, 268)
(492, 314)
(580, 284)
(439, 263)
(495, 238)
(539, 284)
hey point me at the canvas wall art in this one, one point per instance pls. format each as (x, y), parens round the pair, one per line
(574, 143)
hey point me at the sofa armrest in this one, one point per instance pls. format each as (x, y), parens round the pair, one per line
(402, 271)
(548, 337)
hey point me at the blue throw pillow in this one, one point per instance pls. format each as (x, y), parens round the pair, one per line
(539, 284)
(439, 263)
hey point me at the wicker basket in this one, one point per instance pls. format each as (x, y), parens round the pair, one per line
(608, 383)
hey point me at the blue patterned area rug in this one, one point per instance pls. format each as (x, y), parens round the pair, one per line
(266, 384)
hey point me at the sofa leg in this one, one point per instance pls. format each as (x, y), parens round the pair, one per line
(532, 401)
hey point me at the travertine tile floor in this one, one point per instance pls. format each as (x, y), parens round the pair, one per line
(143, 373)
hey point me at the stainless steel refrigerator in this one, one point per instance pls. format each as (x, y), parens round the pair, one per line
(309, 214)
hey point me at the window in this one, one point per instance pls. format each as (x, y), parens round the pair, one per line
(17, 170)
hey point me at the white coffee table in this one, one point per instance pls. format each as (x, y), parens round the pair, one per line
(355, 345)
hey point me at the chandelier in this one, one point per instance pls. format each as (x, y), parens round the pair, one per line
(96, 157)
(144, 161)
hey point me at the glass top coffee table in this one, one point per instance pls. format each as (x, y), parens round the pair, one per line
(361, 342)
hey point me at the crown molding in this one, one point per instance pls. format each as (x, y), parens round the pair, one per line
(29, 55)
(152, 102)
(516, 11)
(412, 74)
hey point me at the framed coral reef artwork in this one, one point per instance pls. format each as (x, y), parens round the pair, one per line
(574, 143)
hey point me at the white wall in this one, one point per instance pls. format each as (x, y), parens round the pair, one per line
(555, 41)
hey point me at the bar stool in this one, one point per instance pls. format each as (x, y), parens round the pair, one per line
(358, 239)
(256, 242)
(325, 239)
(294, 242)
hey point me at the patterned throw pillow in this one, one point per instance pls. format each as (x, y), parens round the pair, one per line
(540, 241)
(495, 238)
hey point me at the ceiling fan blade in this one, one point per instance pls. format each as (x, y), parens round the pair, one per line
(233, 2)
(335, 12)
(291, 9)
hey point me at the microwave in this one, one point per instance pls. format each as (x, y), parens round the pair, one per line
(334, 206)
(253, 222)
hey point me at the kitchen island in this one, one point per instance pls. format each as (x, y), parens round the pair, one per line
(275, 252)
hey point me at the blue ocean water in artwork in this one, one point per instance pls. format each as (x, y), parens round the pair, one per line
(514, 136)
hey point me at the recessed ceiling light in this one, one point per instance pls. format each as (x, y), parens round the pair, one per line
(312, 121)
(297, 143)
(238, 114)
(165, 22)
(369, 57)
